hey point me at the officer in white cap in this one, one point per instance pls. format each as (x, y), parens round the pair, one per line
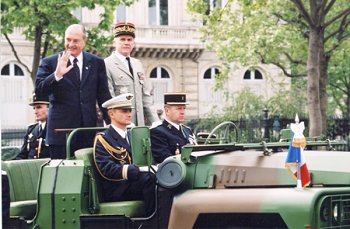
(113, 157)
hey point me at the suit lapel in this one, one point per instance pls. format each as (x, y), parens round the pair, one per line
(86, 68)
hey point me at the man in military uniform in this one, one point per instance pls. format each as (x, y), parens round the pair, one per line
(34, 141)
(113, 157)
(126, 74)
(170, 135)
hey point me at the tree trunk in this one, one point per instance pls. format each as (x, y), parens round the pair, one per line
(313, 86)
(347, 115)
(323, 89)
(37, 49)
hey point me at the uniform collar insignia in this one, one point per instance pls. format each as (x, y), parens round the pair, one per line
(30, 135)
(169, 126)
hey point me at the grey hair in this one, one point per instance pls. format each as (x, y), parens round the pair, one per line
(78, 26)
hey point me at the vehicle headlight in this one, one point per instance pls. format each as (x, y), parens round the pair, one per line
(171, 173)
(335, 211)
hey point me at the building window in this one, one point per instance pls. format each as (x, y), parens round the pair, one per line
(5, 71)
(161, 82)
(211, 4)
(77, 12)
(14, 88)
(208, 96)
(13, 84)
(120, 14)
(252, 75)
(159, 73)
(211, 73)
(158, 12)
(11, 69)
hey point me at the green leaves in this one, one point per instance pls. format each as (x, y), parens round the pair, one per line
(46, 21)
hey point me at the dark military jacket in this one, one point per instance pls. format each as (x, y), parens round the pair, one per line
(34, 144)
(113, 158)
(167, 140)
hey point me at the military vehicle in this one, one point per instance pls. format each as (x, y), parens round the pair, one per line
(219, 184)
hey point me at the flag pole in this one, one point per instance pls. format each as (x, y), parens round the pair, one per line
(299, 185)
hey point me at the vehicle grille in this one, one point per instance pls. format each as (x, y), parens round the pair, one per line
(335, 212)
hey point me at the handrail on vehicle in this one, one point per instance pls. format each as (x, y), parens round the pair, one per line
(72, 132)
(265, 146)
(227, 125)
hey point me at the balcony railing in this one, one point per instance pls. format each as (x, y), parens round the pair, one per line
(149, 35)
(168, 35)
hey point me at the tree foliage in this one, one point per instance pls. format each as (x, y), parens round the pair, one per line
(298, 36)
(339, 81)
(44, 23)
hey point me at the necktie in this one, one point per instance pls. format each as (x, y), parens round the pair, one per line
(40, 129)
(76, 69)
(182, 131)
(127, 136)
(129, 64)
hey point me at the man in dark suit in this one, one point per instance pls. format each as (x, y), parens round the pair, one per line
(169, 135)
(113, 157)
(73, 80)
(34, 140)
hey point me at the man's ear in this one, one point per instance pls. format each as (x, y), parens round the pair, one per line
(110, 112)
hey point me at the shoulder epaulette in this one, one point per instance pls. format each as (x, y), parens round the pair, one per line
(186, 126)
(100, 133)
(156, 124)
(32, 124)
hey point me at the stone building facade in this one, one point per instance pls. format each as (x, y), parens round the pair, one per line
(167, 43)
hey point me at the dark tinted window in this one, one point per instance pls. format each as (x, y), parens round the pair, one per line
(258, 75)
(207, 74)
(211, 73)
(18, 71)
(163, 12)
(5, 71)
(247, 75)
(164, 74)
(153, 73)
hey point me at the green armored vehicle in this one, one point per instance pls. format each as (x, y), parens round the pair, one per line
(217, 185)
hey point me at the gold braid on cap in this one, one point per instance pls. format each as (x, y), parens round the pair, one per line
(124, 28)
(111, 150)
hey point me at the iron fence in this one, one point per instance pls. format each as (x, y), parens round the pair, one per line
(268, 129)
(12, 137)
(249, 130)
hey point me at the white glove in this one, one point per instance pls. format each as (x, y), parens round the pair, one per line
(152, 169)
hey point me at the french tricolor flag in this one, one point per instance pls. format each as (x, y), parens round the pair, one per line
(295, 161)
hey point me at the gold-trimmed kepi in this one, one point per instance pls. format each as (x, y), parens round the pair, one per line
(124, 28)
(120, 101)
(176, 98)
(38, 99)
